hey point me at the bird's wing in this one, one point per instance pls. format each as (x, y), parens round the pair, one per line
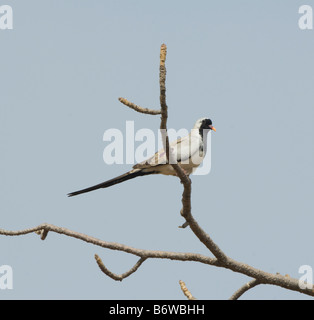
(182, 150)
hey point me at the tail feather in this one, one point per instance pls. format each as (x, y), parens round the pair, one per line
(124, 177)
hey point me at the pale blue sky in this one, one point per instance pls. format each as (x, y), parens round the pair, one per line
(244, 64)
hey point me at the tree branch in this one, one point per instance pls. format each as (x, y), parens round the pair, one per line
(249, 285)
(186, 291)
(114, 276)
(142, 253)
(164, 115)
(239, 267)
(138, 108)
(186, 196)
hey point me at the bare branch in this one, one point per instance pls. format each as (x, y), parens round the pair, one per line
(164, 114)
(162, 84)
(142, 253)
(163, 104)
(186, 196)
(185, 224)
(261, 276)
(138, 108)
(249, 285)
(197, 230)
(114, 276)
(222, 259)
(186, 291)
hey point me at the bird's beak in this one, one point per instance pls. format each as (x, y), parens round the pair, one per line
(212, 128)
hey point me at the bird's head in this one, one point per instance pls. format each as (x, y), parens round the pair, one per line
(204, 124)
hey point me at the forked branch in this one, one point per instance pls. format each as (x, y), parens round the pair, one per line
(114, 276)
(239, 267)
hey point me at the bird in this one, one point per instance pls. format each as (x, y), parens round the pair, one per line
(188, 152)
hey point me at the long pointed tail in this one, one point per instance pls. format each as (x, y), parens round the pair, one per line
(124, 177)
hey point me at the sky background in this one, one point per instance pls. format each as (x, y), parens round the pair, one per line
(244, 64)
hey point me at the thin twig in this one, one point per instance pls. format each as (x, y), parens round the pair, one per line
(185, 224)
(163, 104)
(114, 276)
(186, 291)
(249, 285)
(138, 108)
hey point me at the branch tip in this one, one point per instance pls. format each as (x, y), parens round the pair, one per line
(163, 53)
(249, 285)
(186, 291)
(138, 108)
